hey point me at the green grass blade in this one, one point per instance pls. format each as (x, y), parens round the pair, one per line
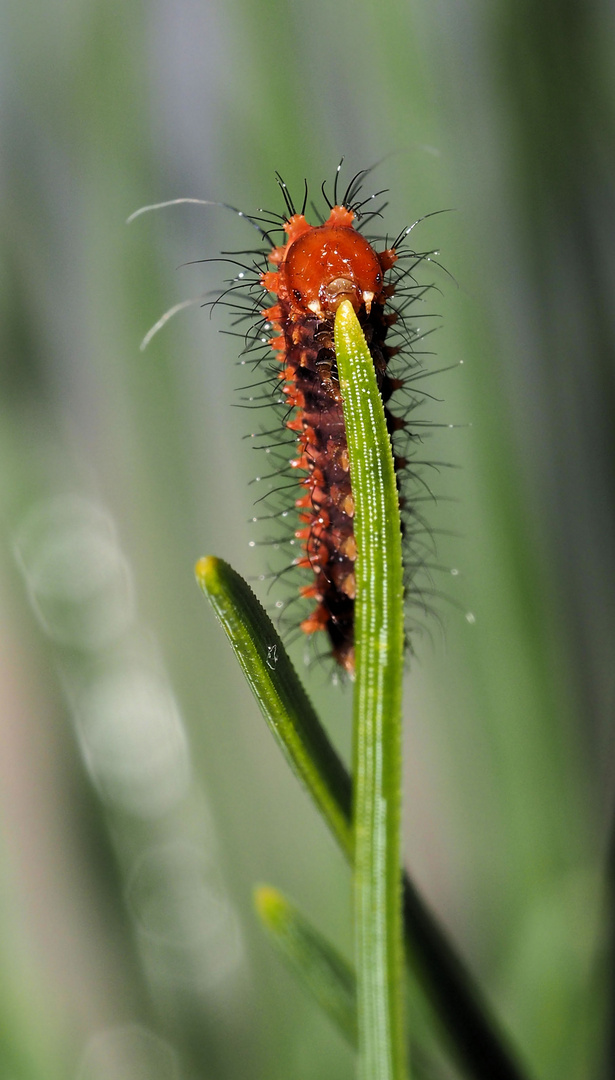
(276, 687)
(327, 976)
(473, 1033)
(379, 637)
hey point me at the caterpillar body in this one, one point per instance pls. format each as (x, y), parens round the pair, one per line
(314, 269)
(284, 302)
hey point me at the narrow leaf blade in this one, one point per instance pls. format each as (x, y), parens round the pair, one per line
(278, 690)
(379, 638)
(322, 970)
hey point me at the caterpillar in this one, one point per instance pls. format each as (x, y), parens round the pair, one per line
(314, 269)
(288, 295)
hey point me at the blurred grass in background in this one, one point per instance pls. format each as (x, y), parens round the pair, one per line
(141, 796)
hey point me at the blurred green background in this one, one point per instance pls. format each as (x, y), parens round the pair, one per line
(141, 796)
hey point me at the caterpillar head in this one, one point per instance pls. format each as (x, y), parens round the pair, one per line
(322, 265)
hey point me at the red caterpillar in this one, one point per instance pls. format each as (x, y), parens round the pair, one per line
(316, 267)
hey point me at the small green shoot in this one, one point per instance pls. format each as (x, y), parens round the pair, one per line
(325, 974)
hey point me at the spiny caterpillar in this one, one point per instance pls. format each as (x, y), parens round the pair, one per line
(315, 267)
(318, 267)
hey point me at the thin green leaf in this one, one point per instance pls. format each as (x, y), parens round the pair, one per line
(379, 637)
(276, 686)
(473, 1032)
(327, 976)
